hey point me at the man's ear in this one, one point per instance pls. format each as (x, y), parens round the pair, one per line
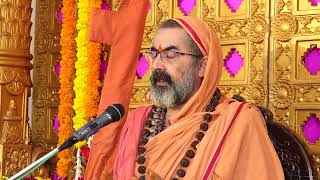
(203, 66)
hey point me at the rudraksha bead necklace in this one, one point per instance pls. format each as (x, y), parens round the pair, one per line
(156, 123)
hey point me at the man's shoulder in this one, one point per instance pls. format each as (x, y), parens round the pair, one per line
(246, 113)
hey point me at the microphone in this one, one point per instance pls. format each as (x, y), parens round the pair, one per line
(112, 114)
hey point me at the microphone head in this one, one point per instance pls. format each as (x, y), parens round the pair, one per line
(116, 111)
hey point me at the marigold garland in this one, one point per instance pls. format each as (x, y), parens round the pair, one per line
(93, 96)
(81, 65)
(66, 94)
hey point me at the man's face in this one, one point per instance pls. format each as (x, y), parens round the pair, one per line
(175, 76)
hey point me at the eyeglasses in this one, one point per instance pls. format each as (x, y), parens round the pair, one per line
(167, 54)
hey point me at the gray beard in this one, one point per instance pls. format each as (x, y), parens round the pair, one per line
(175, 94)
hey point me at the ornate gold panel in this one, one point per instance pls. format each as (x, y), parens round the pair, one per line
(294, 92)
(242, 48)
(46, 83)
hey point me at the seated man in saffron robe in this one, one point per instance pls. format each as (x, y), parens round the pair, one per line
(191, 131)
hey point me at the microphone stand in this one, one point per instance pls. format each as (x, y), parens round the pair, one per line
(32, 167)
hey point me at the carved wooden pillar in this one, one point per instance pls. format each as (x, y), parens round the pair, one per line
(15, 83)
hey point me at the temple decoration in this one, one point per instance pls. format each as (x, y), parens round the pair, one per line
(143, 66)
(234, 5)
(233, 62)
(186, 6)
(311, 129)
(311, 60)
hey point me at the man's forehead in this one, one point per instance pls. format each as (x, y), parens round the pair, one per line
(170, 37)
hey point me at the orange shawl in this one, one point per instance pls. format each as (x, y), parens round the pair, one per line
(246, 152)
(123, 30)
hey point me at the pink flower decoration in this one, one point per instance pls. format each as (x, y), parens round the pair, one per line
(56, 124)
(57, 67)
(186, 6)
(234, 62)
(59, 14)
(314, 2)
(85, 152)
(311, 129)
(103, 68)
(55, 176)
(234, 4)
(312, 60)
(143, 66)
(149, 6)
(104, 6)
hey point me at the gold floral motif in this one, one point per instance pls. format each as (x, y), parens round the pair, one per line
(11, 74)
(255, 93)
(281, 94)
(15, 24)
(282, 116)
(258, 28)
(257, 7)
(284, 26)
(208, 9)
(139, 96)
(15, 87)
(306, 93)
(11, 133)
(308, 24)
(15, 159)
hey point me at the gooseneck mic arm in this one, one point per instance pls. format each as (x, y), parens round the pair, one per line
(112, 114)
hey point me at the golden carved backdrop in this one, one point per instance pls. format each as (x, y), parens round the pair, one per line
(272, 38)
(15, 83)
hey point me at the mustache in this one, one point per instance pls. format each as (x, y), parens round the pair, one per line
(160, 75)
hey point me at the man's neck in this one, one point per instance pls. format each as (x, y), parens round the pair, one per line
(172, 111)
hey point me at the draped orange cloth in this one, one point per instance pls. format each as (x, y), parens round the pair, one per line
(246, 151)
(123, 30)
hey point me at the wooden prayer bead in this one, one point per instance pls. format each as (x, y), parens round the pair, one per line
(194, 144)
(140, 159)
(141, 150)
(143, 141)
(181, 172)
(142, 169)
(207, 117)
(204, 126)
(199, 135)
(184, 162)
(190, 153)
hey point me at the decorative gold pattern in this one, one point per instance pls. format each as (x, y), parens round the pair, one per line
(258, 28)
(281, 95)
(11, 133)
(284, 26)
(139, 96)
(15, 158)
(294, 28)
(15, 24)
(46, 85)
